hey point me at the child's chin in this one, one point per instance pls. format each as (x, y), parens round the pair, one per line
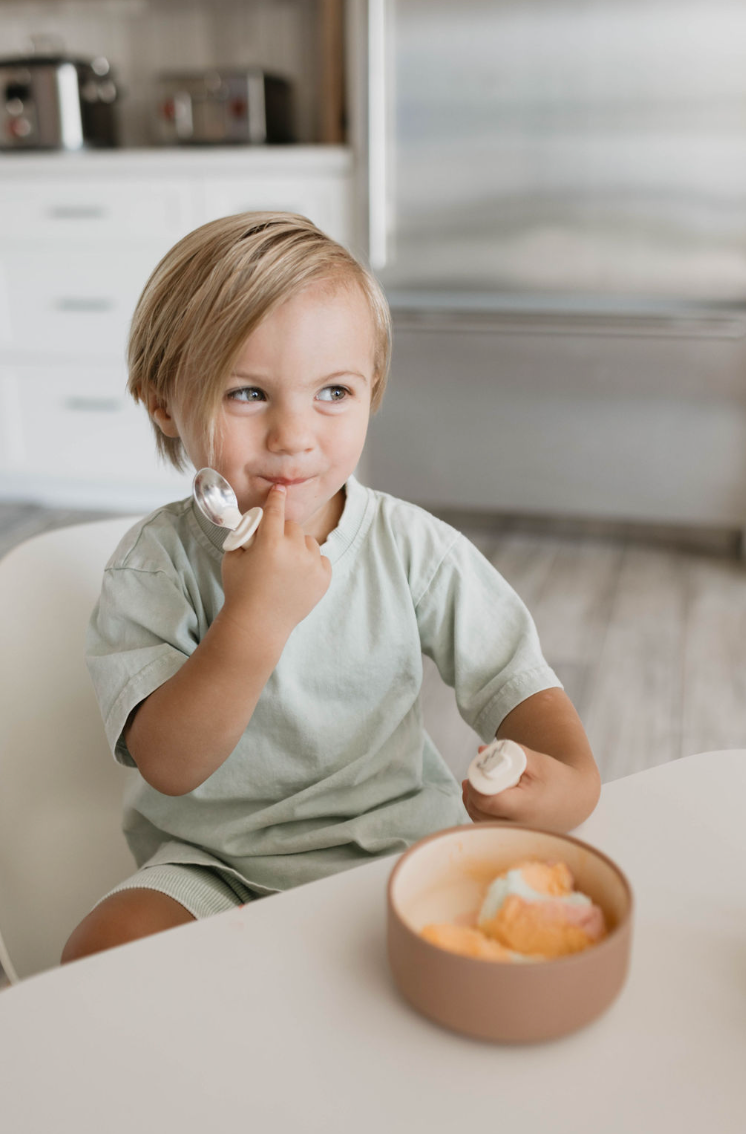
(297, 513)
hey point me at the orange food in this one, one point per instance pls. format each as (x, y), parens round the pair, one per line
(547, 877)
(546, 928)
(530, 912)
(466, 941)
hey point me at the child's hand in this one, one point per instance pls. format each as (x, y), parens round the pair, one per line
(543, 794)
(281, 577)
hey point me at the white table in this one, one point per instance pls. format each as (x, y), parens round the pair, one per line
(282, 1016)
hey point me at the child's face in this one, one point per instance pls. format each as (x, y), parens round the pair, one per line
(297, 406)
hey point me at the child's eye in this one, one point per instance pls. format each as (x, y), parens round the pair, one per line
(333, 394)
(246, 394)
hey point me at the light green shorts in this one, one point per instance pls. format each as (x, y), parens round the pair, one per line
(201, 890)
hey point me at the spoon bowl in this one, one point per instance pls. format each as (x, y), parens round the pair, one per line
(216, 499)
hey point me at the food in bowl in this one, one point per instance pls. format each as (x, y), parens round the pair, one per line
(443, 880)
(530, 912)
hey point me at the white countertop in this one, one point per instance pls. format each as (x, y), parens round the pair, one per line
(179, 160)
(282, 1015)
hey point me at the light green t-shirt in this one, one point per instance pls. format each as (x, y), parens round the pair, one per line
(335, 765)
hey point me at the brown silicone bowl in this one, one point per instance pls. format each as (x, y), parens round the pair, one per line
(444, 877)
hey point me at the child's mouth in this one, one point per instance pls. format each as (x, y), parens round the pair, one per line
(284, 480)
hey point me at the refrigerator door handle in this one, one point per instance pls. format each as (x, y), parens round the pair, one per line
(378, 111)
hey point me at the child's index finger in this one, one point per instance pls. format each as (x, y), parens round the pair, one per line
(273, 520)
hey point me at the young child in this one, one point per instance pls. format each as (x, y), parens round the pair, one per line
(269, 697)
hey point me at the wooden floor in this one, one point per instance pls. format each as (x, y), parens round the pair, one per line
(649, 640)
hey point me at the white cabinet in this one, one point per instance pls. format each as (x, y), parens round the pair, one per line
(327, 205)
(89, 207)
(74, 300)
(79, 236)
(71, 419)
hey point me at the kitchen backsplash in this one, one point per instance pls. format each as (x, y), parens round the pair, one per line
(141, 38)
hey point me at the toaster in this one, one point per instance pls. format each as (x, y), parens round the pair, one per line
(56, 103)
(224, 106)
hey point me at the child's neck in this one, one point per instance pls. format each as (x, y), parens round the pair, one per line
(323, 522)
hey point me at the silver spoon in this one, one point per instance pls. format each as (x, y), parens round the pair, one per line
(217, 501)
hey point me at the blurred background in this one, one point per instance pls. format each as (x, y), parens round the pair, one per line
(553, 193)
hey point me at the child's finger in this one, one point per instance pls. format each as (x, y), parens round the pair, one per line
(501, 806)
(273, 520)
(474, 813)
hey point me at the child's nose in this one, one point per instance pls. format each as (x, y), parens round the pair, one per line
(289, 433)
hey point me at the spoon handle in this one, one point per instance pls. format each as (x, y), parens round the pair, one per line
(243, 533)
(499, 766)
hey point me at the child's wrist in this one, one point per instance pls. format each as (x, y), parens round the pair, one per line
(261, 629)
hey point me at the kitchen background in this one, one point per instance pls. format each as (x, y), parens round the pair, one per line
(143, 38)
(553, 195)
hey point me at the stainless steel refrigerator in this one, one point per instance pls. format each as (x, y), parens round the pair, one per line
(556, 196)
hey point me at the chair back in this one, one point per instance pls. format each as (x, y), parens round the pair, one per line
(61, 844)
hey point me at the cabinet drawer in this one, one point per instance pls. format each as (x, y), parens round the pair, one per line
(82, 210)
(324, 200)
(79, 304)
(81, 423)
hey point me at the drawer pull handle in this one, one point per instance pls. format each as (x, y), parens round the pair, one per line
(83, 304)
(77, 212)
(93, 405)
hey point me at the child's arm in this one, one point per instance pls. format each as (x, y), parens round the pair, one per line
(561, 784)
(185, 729)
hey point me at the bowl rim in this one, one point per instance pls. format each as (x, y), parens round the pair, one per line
(573, 958)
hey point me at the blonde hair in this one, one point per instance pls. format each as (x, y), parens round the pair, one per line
(213, 289)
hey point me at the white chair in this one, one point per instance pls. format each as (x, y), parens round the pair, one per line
(61, 845)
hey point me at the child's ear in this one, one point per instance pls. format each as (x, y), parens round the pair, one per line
(162, 418)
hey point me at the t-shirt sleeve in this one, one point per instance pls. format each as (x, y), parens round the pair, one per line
(481, 636)
(141, 632)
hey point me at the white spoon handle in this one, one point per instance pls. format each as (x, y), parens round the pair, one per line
(499, 767)
(243, 533)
